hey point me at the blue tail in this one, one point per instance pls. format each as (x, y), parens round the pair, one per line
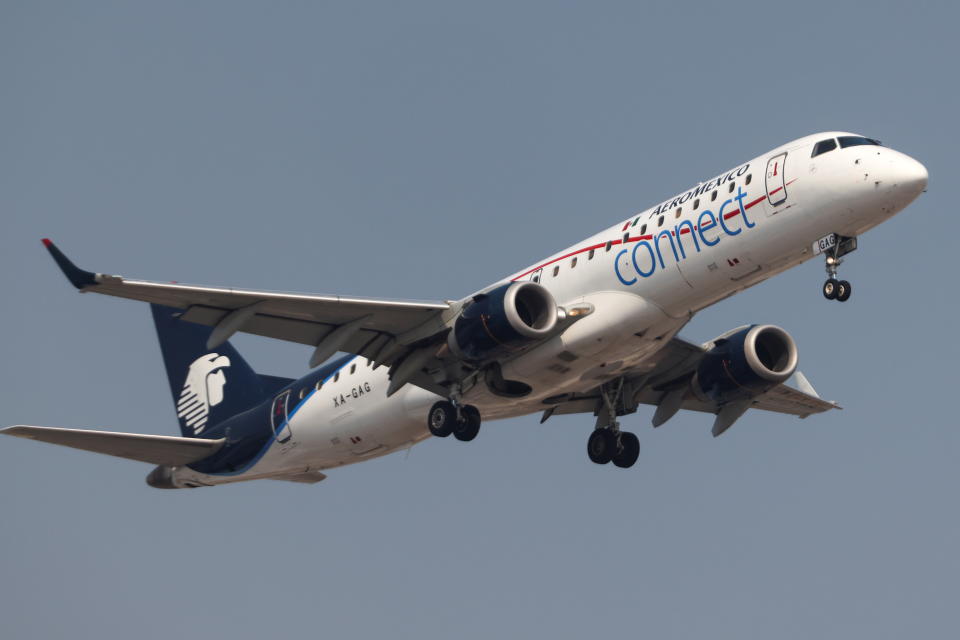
(208, 385)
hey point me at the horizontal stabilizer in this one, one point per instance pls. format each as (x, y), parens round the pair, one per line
(162, 450)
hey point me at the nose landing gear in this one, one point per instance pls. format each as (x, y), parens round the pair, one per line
(837, 247)
(838, 290)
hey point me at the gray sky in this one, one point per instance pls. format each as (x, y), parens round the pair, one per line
(421, 150)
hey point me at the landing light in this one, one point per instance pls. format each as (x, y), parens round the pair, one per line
(579, 311)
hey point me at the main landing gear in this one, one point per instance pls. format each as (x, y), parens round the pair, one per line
(622, 448)
(462, 421)
(834, 289)
(607, 443)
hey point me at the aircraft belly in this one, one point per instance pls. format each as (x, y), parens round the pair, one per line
(619, 322)
(561, 376)
(350, 427)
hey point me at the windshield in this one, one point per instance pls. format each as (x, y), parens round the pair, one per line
(823, 146)
(853, 141)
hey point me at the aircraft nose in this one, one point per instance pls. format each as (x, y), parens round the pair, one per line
(912, 176)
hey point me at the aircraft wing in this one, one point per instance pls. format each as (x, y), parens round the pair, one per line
(162, 450)
(363, 326)
(669, 372)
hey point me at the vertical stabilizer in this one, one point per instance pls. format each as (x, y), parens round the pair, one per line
(208, 385)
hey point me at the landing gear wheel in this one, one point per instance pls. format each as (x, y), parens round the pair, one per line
(469, 426)
(843, 291)
(830, 288)
(602, 446)
(442, 419)
(629, 450)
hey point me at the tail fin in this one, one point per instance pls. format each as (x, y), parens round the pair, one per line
(208, 385)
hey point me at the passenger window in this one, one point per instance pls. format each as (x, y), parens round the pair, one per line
(626, 238)
(696, 204)
(749, 178)
(643, 229)
(556, 271)
(823, 146)
(573, 263)
(713, 196)
(590, 255)
(677, 214)
(353, 369)
(660, 222)
(853, 141)
(609, 244)
(319, 385)
(336, 376)
(732, 185)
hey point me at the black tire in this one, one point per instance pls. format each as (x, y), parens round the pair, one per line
(468, 428)
(442, 419)
(629, 450)
(830, 289)
(601, 446)
(843, 291)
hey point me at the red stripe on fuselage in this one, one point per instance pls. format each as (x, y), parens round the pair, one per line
(613, 243)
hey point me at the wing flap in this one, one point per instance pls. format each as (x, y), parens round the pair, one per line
(786, 399)
(160, 450)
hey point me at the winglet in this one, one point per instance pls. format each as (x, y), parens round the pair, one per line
(77, 276)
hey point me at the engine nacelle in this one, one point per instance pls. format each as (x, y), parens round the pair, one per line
(745, 363)
(503, 322)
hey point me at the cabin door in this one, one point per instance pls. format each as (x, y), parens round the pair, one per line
(278, 418)
(775, 183)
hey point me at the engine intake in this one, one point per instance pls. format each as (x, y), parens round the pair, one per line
(503, 321)
(745, 363)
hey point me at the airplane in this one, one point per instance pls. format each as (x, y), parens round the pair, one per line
(591, 329)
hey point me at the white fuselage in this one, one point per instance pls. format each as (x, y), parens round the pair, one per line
(645, 278)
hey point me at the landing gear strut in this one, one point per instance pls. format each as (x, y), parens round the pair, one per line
(834, 289)
(462, 421)
(607, 443)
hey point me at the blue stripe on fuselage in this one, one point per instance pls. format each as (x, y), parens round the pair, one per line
(321, 375)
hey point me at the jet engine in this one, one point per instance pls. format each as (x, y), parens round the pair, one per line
(744, 363)
(503, 322)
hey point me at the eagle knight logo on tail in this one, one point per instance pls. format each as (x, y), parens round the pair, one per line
(202, 389)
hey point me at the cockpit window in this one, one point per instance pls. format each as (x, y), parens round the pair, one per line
(823, 146)
(853, 141)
